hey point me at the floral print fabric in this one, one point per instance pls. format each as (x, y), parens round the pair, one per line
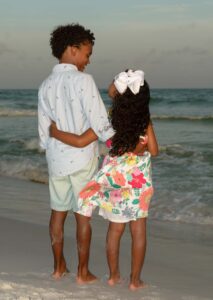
(123, 186)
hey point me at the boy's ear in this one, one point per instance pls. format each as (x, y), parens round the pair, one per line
(73, 50)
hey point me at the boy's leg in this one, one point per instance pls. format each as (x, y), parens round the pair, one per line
(138, 233)
(56, 228)
(83, 236)
(113, 238)
(79, 180)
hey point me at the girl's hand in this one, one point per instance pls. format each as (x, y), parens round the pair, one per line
(53, 129)
(72, 139)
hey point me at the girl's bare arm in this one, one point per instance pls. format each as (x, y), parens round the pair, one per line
(73, 139)
(152, 141)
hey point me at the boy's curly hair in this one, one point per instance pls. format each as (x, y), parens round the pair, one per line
(130, 118)
(69, 35)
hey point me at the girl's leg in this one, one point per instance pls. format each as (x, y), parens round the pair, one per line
(138, 233)
(56, 228)
(113, 238)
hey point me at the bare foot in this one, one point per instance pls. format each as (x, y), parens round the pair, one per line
(84, 279)
(114, 280)
(59, 274)
(136, 286)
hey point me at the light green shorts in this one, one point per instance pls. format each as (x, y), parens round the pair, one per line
(64, 190)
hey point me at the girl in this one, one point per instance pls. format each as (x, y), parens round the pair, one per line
(123, 186)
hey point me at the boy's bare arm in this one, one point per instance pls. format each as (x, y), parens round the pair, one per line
(73, 139)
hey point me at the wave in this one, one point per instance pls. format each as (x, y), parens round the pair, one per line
(29, 113)
(168, 100)
(172, 150)
(179, 217)
(180, 151)
(181, 208)
(32, 147)
(172, 155)
(190, 118)
(24, 169)
(14, 113)
(31, 144)
(167, 204)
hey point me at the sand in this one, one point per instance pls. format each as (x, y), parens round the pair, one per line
(178, 265)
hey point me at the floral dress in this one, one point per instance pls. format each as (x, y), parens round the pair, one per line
(122, 188)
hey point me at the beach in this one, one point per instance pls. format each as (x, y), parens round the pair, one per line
(179, 258)
(178, 264)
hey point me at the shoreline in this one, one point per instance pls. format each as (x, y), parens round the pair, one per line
(178, 263)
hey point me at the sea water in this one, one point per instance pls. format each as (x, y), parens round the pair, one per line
(182, 173)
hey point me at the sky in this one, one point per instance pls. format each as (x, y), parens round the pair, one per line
(172, 41)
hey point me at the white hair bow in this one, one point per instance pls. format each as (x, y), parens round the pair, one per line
(131, 79)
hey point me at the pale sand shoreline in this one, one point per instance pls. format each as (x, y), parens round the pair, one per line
(179, 260)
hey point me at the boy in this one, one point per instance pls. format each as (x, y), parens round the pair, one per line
(70, 98)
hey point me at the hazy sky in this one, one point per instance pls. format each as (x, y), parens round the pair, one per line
(172, 41)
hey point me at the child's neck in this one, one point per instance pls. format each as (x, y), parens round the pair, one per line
(66, 61)
(67, 57)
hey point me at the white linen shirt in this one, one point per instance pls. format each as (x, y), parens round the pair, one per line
(71, 99)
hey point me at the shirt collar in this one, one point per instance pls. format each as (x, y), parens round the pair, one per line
(64, 68)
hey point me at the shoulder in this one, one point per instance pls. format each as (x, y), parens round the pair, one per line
(41, 89)
(84, 77)
(44, 82)
(85, 83)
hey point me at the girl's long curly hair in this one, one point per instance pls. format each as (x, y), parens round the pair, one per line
(130, 118)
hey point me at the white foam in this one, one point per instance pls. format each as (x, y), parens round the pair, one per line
(187, 208)
(20, 291)
(14, 113)
(180, 117)
(37, 287)
(178, 150)
(6, 286)
(31, 144)
(24, 169)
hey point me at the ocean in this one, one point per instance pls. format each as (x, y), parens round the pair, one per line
(182, 173)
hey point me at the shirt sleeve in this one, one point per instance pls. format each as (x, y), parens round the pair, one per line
(95, 110)
(43, 122)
